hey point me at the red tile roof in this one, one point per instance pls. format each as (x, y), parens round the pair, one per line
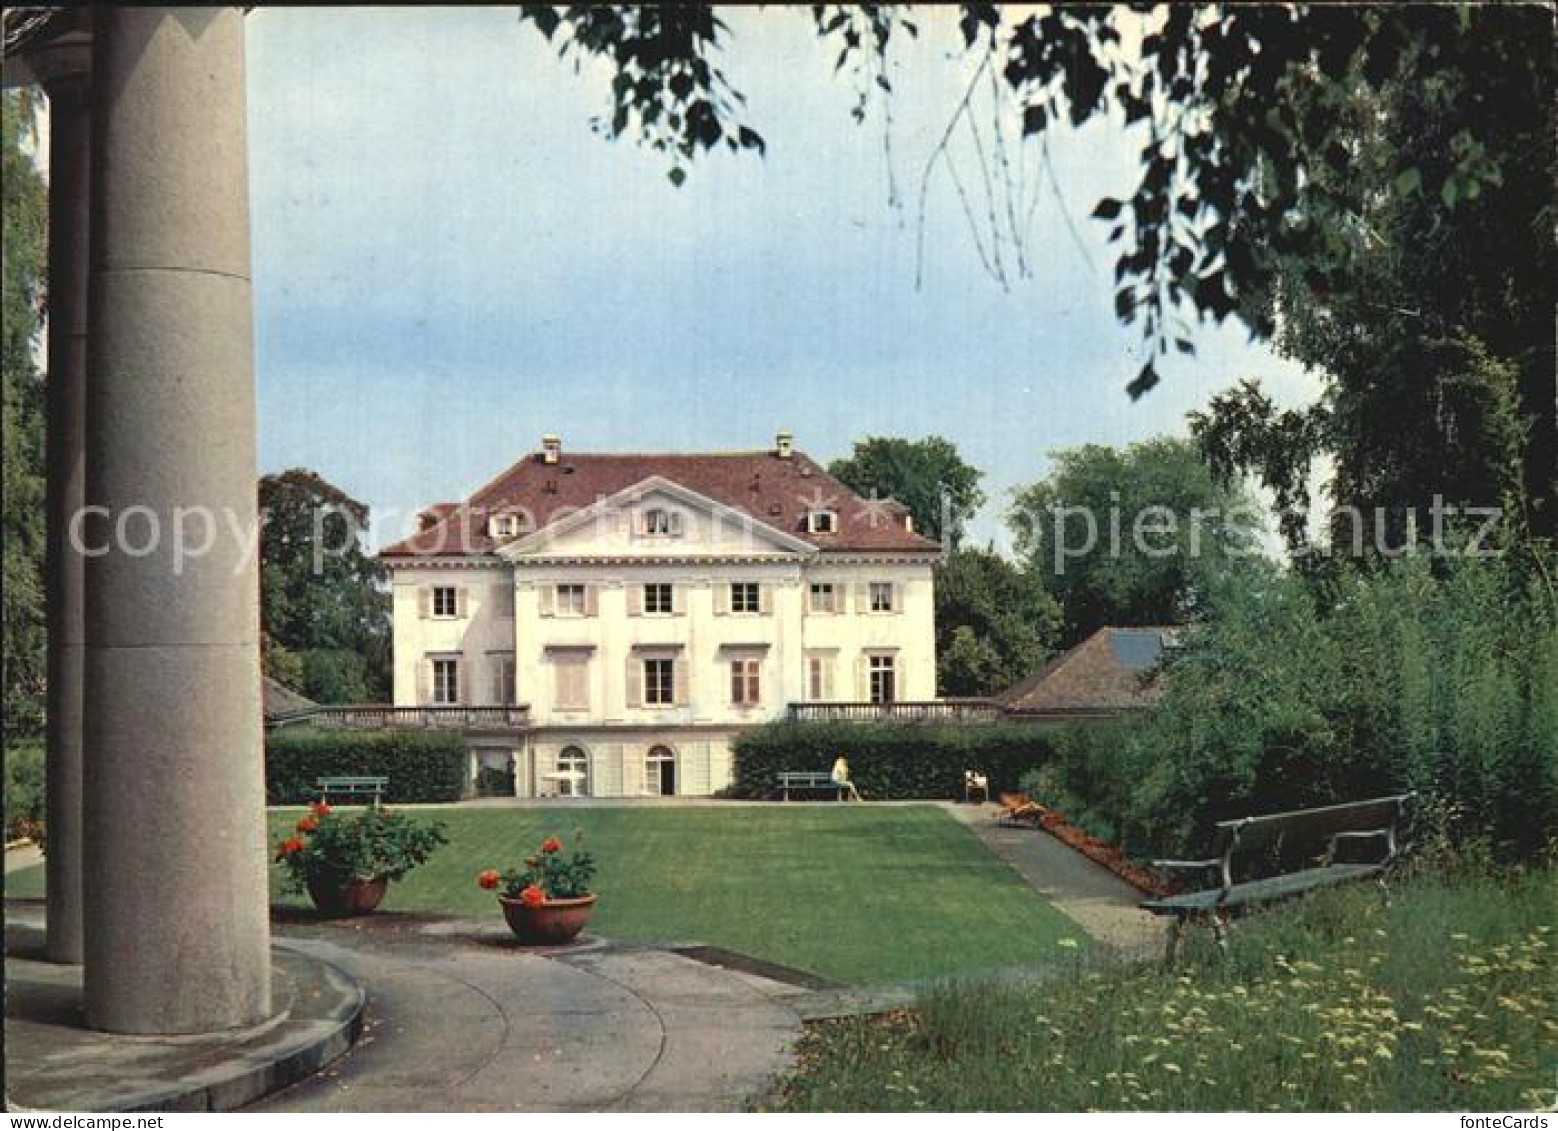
(1115, 669)
(775, 491)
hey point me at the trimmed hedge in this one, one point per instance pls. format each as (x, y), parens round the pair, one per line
(891, 760)
(420, 766)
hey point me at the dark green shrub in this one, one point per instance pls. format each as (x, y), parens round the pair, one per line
(421, 766)
(23, 788)
(891, 760)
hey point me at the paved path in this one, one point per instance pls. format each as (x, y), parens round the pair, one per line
(22, 856)
(459, 1019)
(1101, 903)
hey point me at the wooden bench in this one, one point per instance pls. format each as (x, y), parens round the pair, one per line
(797, 779)
(1376, 820)
(359, 786)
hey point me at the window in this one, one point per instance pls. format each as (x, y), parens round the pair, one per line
(822, 522)
(659, 597)
(503, 690)
(745, 597)
(571, 681)
(819, 678)
(745, 687)
(504, 525)
(824, 597)
(660, 523)
(570, 601)
(660, 771)
(883, 689)
(881, 596)
(659, 683)
(574, 763)
(446, 682)
(446, 601)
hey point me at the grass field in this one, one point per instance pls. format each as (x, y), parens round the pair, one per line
(856, 893)
(1448, 1001)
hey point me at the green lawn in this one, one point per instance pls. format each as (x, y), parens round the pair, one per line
(856, 893)
(1448, 1001)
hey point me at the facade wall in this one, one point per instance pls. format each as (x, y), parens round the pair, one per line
(512, 610)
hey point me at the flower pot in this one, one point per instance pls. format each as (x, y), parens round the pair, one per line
(334, 895)
(550, 923)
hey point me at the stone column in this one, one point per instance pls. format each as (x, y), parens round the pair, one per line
(178, 936)
(63, 68)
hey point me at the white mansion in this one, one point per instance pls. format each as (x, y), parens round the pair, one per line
(646, 608)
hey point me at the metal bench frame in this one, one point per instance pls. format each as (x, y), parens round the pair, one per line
(808, 779)
(1378, 818)
(353, 785)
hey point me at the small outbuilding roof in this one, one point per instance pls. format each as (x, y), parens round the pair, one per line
(1114, 670)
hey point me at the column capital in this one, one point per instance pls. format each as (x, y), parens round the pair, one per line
(62, 66)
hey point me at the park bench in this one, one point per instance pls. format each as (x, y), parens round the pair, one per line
(1276, 840)
(798, 779)
(350, 786)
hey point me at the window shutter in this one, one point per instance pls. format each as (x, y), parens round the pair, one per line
(721, 598)
(589, 600)
(548, 596)
(424, 601)
(756, 685)
(462, 693)
(425, 682)
(676, 524)
(503, 602)
(679, 691)
(825, 663)
(862, 677)
(863, 597)
(765, 599)
(635, 682)
(678, 601)
(635, 600)
(897, 596)
(459, 602)
(499, 693)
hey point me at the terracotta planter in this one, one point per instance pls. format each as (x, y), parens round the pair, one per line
(550, 923)
(333, 896)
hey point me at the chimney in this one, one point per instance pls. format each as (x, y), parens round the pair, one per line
(551, 448)
(784, 443)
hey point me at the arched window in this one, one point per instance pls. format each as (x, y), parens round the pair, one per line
(660, 771)
(572, 760)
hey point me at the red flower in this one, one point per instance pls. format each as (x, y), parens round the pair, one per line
(551, 844)
(320, 809)
(532, 896)
(488, 878)
(290, 845)
(308, 824)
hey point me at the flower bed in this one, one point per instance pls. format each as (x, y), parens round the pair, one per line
(1054, 822)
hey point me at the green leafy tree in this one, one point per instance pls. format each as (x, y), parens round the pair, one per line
(995, 623)
(928, 476)
(22, 543)
(1255, 194)
(324, 611)
(1130, 536)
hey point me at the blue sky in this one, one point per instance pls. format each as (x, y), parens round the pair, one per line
(448, 263)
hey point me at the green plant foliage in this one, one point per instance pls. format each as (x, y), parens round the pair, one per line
(1286, 697)
(995, 623)
(363, 844)
(21, 437)
(890, 760)
(24, 785)
(547, 873)
(928, 476)
(1139, 565)
(1442, 1002)
(420, 767)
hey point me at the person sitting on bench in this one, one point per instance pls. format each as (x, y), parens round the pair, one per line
(841, 778)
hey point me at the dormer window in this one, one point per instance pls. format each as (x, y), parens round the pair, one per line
(822, 522)
(661, 523)
(503, 525)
